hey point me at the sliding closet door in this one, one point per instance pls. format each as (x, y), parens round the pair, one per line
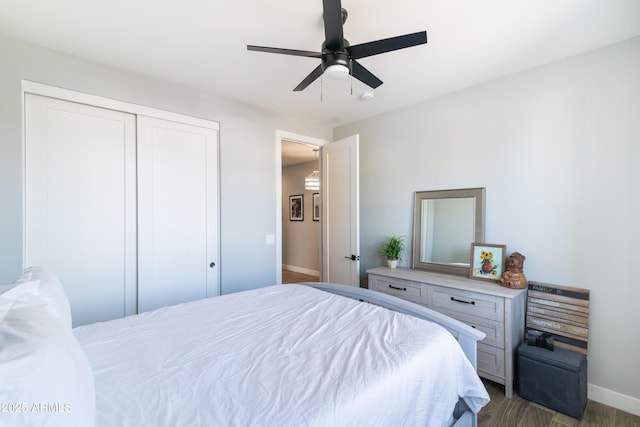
(177, 213)
(80, 203)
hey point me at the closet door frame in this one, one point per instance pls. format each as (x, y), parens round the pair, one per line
(99, 101)
(29, 87)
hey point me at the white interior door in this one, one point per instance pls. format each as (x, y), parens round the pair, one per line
(340, 212)
(177, 213)
(80, 203)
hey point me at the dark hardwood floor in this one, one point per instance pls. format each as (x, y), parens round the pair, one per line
(518, 412)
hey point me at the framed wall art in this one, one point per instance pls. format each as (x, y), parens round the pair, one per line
(316, 206)
(487, 261)
(296, 207)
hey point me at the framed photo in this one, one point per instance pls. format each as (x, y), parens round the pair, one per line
(296, 207)
(316, 206)
(487, 261)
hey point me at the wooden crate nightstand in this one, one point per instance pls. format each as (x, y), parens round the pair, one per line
(552, 364)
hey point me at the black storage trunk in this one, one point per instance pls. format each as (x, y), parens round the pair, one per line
(556, 379)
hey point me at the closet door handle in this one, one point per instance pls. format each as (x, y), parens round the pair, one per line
(397, 288)
(213, 264)
(463, 301)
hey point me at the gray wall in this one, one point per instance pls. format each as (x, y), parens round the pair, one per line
(558, 150)
(300, 239)
(247, 138)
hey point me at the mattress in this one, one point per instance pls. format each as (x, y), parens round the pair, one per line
(285, 355)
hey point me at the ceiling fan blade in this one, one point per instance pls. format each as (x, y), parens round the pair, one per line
(317, 72)
(386, 45)
(332, 16)
(285, 51)
(364, 75)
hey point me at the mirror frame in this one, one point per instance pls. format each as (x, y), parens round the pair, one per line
(478, 195)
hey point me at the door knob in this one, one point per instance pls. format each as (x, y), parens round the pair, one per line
(213, 264)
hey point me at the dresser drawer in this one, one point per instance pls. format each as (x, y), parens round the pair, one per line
(466, 302)
(404, 289)
(493, 329)
(490, 362)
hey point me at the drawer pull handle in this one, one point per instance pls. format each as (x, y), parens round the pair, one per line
(397, 288)
(462, 301)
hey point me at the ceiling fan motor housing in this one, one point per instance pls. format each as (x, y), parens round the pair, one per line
(335, 58)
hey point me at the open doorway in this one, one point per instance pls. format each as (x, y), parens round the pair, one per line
(298, 234)
(300, 212)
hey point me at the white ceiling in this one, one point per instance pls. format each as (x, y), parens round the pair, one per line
(202, 44)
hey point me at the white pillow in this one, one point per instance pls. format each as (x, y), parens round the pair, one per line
(45, 377)
(37, 287)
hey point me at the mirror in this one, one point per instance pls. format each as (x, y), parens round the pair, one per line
(445, 223)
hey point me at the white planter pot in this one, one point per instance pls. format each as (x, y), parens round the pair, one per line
(392, 263)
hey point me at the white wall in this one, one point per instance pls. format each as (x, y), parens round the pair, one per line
(247, 138)
(558, 150)
(300, 239)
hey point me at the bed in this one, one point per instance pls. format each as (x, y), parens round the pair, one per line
(283, 355)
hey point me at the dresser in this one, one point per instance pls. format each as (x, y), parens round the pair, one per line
(495, 310)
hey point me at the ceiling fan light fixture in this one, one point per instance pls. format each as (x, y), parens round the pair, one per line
(336, 72)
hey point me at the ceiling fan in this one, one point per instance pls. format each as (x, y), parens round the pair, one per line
(338, 58)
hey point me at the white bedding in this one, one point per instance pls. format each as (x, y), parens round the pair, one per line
(285, 355)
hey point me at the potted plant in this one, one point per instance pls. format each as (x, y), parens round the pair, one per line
(392, 247)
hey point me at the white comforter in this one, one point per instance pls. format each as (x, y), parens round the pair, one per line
(285, 355)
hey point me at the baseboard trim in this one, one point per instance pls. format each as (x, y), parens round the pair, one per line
(614, 399)
(301, 270)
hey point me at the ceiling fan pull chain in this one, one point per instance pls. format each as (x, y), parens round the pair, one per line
(321, 87)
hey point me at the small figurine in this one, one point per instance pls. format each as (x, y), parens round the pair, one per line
(514, 277)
